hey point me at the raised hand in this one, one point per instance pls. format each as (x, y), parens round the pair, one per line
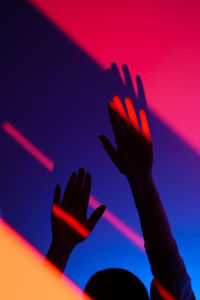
(134, 153)
(133, 156)
(70, 225)
(125, 88)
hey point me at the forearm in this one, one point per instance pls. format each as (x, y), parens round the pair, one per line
(166, 263)
(58, 255)
(155, 226)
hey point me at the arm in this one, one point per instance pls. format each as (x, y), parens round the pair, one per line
(155, 226)
(70, 225)
(133, 156)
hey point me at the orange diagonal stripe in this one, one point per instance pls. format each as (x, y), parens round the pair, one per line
(24, 275)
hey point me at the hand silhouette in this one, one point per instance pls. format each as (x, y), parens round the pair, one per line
(134, 153)
(70, 225)
(125, 88)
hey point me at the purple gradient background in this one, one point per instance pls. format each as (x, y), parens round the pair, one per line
(54, 94)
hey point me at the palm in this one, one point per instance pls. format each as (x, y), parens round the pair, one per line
(70, 224)
(64, 233)
(134, 153)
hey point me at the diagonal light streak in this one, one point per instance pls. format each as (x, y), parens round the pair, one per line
(71, 221)
(128, 232)
(162, 291)
(24, 259)
(124, 229)
(139, 34)
(28, 146)
(24, 274)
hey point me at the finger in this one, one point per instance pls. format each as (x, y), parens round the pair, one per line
(80, 179)
(140, 88)
(110, 149)
(86, 191)
(94, 218)
(128, 80)
(116, 75)
(144, 125)
(131, 113)
(120, 125)
(68, 190)
(76, 194)
(115, 121)
(57, 194)
(119, 107)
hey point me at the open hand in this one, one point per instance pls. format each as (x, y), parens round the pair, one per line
(70, 225)
(134, 153)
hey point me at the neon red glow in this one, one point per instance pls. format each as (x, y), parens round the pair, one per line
(145, 125)
(24, 275)
(163, 292)
(129, 233)
(119, 107)
(111, 218)
(153, 39)
(26, 144)
(131, 113)
(25, 256)
(71, 221)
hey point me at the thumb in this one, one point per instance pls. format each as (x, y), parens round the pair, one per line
(95, 216)
(110, 149)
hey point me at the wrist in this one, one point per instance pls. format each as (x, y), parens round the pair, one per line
(62, 246)
(58, 254)
(144, 191)
(140, 179)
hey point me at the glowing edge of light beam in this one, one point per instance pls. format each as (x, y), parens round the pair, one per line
(129, 233)
(26, 274)
(22, 140)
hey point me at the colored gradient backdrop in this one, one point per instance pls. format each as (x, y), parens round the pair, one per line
(54, 92)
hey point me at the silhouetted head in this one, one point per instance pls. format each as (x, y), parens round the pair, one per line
(115, 284)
